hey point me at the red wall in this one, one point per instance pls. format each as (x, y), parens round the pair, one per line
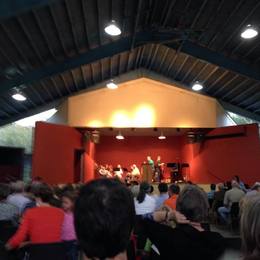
(53, 156)
(134, 150)
(220, 159)
(89, 163)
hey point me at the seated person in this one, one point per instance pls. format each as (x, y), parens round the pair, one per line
(218, 197)
(232, 196)
(211, 194)
(250, 227)
(173, 192)
(18, 197)
(188, 240)
(163, 190)
(104, 219)
(8, 211)
(144, 202)
(41, 224)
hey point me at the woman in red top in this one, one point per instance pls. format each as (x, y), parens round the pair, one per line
(40, 225)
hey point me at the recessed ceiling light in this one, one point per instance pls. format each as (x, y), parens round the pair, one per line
(249, 32)
(112, 29)
(112, 85)
(120, 136)
(162, 136)
(19, 97)
(197, 86)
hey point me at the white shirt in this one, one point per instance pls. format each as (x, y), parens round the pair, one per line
(18, 200)
(145, 207)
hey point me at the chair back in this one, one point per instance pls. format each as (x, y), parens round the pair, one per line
(7, 230)
(234, 211)
(52, 251)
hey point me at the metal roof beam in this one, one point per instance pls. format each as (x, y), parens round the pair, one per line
(9, 8)
(91, 56)
(218, 59)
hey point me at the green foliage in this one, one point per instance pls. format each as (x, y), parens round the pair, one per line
(14, 135)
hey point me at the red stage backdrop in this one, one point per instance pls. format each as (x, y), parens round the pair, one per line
(54, 152)
(134, 150)
(220, 159)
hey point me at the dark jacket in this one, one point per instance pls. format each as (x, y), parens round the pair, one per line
(184, 242)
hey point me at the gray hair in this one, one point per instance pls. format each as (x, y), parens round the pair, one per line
(18, 186)
(250, 227)
(192, 202)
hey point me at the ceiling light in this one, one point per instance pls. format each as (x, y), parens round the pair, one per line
(162, 136)
(112, 85)
(120, 136)
(112, 29)
(249, 32)
(197, 86)
(19, 96)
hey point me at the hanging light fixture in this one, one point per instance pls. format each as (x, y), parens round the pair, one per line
(111, 85)
(120, 136)
(197, 86)
(161, 136)
(112, 29)
(18, 95)
(249, 32)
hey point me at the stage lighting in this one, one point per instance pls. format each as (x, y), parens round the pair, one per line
(197, 86)
(120, 136)
(112, 29)
(112, 85)
(249, 32)
(162, 136)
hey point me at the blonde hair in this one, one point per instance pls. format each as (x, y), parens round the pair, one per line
(250, 227)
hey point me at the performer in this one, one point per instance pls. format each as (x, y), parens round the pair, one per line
(150, 162)
(118, 172)
(104, 172)
(159, 169)
(135, 173)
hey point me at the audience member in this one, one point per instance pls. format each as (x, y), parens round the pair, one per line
(250, 228)
(173, 192)
(41, 224)
(211, 194)
(218, 198)
(163, 195)
(104, 219)
(255, 189)
(240, 183)
(232, 196)
(188, 240)
(7, 210)
(144, 203)
(18, 198)
(68, 234)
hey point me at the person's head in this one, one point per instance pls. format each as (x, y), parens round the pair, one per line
(250, 227)
(192, 202)
(256, 187)
(221, 186)
(213, 186)
(235, 184)
(17, 187)
(149, 158)
(163, 187)
(43, 193)
(4, 191)
(68, 200)
(174, 189)
(104, 218)
(143, 190)
(236, 178)
(158, 158)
